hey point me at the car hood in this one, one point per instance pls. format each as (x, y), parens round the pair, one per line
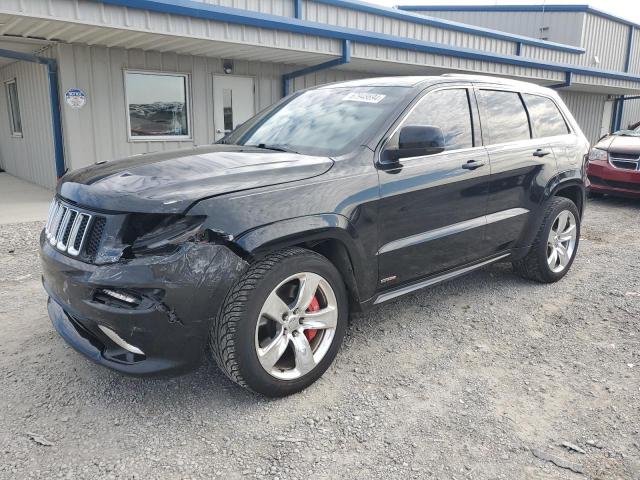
(170, 182)
(620, 144)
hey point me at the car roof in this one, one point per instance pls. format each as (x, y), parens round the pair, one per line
(423, 81)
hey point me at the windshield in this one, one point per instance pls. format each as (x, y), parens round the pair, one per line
(325, 121)
(632, 131)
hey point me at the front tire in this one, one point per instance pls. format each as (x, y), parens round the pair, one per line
(282, 323)
(555, 245)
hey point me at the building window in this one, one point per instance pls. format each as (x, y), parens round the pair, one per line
(158, 105)
(15, 121)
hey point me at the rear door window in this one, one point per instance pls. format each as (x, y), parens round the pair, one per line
(546, 119)
(449, 110)
(504, 118)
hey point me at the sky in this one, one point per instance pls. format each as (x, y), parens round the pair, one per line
(628, 9)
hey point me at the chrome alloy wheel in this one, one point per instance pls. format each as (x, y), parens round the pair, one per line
(296, 326)
(562, 241)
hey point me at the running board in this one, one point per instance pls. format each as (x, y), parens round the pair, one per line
(432, 281)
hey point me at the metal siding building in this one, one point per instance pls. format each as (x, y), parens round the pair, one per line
(52, 47)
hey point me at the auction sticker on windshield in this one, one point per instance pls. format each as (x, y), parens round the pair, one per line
(364, 97)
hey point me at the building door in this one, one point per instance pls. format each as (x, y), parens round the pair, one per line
(606, 118)
(233, 103)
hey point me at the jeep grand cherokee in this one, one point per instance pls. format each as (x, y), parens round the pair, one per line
(333, 200)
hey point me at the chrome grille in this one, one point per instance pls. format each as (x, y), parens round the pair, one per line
(625, 161)
(66, 228)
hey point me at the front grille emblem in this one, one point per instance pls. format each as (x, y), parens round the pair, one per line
(66, 228)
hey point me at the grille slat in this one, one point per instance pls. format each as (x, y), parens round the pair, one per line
(69, 229)
(625, 161)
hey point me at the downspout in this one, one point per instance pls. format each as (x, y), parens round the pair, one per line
(345, 58)
(627, 63)
(56, 117)
(566, 83)
(618, 111)
(627, 60)
(54, 100)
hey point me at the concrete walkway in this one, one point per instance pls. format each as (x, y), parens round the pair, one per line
(22, 201)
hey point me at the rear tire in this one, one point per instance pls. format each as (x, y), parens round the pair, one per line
(555, 245)
(275, 336)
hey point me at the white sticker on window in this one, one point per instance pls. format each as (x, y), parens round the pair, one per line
(364, 97)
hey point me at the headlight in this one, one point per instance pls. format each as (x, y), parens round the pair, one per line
(151, 233)
(598, 154)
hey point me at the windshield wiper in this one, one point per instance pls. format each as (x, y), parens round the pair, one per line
(275, 148)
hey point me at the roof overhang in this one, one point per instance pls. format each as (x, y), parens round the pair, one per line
(196, 28)
(20, 45)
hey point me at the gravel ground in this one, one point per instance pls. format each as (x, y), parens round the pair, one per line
(482, 377)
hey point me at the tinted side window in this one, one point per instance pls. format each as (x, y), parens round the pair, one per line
(504, 118)
(449, 110)
(546, 119)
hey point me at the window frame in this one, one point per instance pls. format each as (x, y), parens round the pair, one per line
(160, 138)
(476, 129)
(10, 109)
(567, 124)
(486, 133)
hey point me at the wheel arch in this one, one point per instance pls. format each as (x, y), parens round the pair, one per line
(330, 235)
(572, 190)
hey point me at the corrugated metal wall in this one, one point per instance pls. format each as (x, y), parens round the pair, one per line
(630, 113)
(588, 109)
(274, 7)
(393, 58)
(98, 131)
(562, 27)
(607, 40)
(634, 64)
(601, 37)
(30, 157)
(343, 17)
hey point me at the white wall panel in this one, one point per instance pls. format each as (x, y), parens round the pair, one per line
(607, 40)
(137, 25)
(630, 113)
(273, 7)
(634, 64)
(32, 156)
(456, 64)
(559, 27)
(343, 17)
(98, 131)
(587, 108)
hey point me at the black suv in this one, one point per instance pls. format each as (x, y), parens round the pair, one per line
(333, 200)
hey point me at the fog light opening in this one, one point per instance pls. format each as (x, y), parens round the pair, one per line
(118, 340)
(122, 296)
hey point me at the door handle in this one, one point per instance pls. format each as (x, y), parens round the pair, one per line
(223, 131)
(541, 153)
(473, 164)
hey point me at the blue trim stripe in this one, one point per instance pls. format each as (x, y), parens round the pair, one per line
(516, 8)
(568, 80)
(629, 54)
(54, 100)
(448, 24)
(287, 77)
(619, 113)
(244, 17)
(297, 8)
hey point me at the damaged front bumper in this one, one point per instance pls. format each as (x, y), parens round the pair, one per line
(142, 316)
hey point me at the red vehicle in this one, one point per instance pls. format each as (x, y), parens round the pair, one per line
(614, 164)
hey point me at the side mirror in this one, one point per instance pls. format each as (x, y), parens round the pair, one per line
(415, 141)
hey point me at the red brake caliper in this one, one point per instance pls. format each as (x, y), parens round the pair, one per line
(314, 306)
